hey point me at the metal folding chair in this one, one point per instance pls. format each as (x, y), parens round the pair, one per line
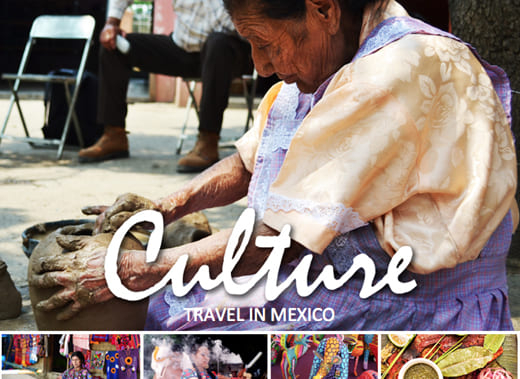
(249, 89)
(52, 27)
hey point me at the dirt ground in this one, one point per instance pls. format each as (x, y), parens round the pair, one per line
(35, 187)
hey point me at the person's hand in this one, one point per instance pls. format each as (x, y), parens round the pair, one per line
(80, 271)
(110, 218)
(108, 35)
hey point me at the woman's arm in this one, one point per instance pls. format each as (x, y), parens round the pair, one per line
(138, 275)
(84, 283)
(223, 183)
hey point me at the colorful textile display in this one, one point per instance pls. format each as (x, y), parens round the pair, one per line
(112, 364)
(125, 341)
(26, 348)
(97, 360)
(99, 338)
(81, 341)
(128, 363)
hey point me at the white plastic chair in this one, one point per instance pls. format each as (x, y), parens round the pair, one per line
(59, 28)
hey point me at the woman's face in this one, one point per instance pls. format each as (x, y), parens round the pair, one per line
(76, 363)
(201, 358)
(303, 51)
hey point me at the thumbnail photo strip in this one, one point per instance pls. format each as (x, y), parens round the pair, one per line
(71, 356)
(425, 356)
(260, 356)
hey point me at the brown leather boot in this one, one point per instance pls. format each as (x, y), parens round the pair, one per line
(113, 144)
(203, 155)
(11, 300)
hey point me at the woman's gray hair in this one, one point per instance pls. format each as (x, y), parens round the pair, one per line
(295, 9)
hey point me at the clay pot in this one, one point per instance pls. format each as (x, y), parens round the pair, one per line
(189, 228)
(11, 300)
(113, 315)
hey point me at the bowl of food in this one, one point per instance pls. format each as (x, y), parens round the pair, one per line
(420, 368)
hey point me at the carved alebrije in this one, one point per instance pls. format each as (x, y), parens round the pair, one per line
(357, 351)
(292, 347)
(331, 360)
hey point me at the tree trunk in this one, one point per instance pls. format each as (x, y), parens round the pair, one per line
(493, 28)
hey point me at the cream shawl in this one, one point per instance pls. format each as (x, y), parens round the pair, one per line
(412, 138)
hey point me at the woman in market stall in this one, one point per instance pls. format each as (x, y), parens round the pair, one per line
(78, 370)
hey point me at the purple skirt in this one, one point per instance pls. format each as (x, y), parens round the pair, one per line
(471, 297)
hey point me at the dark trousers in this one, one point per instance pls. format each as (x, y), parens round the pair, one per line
(223, 58)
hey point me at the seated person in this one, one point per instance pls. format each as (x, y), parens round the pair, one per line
(386, 133)
(204, 44)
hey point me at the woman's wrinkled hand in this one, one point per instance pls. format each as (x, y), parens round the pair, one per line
(110, 218)
(80, 272)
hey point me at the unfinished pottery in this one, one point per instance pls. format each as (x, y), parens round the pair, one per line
(11, 300)
(189, 228)
(115, 314)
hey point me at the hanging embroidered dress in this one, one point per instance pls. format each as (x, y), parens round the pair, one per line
(128, 364)
(112, 364)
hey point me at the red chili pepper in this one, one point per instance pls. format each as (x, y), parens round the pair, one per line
(497, 354)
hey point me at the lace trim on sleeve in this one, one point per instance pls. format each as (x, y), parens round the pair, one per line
(177, 304)
(334, 216)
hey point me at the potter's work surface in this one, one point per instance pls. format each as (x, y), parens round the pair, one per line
(36, 188)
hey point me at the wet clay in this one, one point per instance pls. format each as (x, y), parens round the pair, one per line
(189, 228)
(114, 315)
(11, 300)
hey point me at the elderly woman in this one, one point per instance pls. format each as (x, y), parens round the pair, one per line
(384, 133)
(77, 371)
